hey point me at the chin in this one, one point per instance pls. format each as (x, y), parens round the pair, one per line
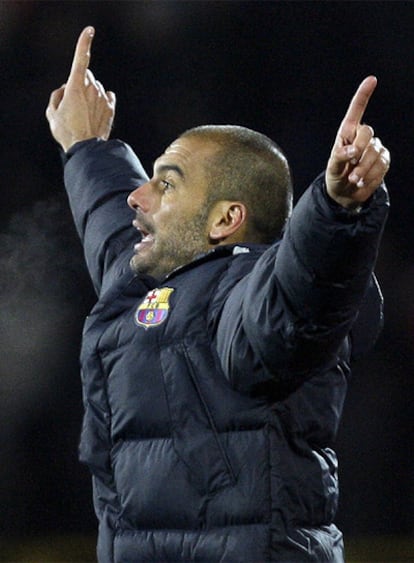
(137, 265)
(140, 265)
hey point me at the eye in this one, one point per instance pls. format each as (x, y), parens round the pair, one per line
(166, 186)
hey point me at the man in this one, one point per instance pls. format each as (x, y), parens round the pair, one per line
(215, 364)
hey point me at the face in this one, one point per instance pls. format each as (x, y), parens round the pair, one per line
(171, 209)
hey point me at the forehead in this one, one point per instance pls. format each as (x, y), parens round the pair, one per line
(189, 153)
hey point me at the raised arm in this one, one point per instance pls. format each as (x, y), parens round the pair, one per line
(293, 312)
(99, 173)
(81, 109)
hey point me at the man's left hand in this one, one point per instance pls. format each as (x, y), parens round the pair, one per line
(358, 161)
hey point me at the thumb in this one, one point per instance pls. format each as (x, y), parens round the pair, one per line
(56, 97)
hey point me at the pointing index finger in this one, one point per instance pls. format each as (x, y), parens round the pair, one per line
(357, 107)
(81, 58)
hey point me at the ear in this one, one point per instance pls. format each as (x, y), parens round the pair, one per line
(227, 222)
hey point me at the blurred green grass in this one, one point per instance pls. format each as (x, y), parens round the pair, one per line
(76, 549)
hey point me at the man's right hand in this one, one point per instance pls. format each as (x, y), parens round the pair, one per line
(81, 109)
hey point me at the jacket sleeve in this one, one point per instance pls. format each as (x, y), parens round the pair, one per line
(290, 315)
(99, 175)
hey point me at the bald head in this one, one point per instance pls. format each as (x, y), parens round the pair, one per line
(249, 167)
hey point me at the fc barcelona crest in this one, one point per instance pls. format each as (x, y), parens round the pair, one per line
(155, 308)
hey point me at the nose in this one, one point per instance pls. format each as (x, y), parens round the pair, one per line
(140, 198)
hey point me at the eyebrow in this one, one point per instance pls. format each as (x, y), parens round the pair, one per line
(168, 168)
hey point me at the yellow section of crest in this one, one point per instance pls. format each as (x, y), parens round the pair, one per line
(164, 294)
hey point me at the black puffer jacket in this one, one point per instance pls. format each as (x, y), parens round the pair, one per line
(212, 397)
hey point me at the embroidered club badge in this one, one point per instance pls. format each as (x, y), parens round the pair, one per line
(154, 309)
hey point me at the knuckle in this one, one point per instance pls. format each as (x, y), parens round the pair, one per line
(376, 145)
(386, 153)
(385, 161)
(366, 133)
(366, 129)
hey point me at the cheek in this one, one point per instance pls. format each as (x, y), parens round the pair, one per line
(170, 218)
(174, 219)
(162, 219)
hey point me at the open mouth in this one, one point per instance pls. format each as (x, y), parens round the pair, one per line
(147, 238)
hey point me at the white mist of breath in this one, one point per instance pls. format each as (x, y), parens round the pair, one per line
(39, 268)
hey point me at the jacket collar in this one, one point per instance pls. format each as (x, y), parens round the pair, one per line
(218, 252)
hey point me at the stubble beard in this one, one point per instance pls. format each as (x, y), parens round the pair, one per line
(177, 246)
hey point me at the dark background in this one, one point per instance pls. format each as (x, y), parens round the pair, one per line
(287, 69)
